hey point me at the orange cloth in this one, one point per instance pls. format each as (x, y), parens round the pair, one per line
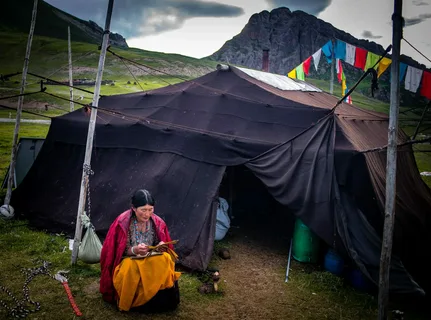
(138, 280)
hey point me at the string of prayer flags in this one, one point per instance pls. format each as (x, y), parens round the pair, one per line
(342, 78)
(363, 59)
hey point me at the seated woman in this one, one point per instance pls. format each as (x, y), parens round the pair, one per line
(133, 282)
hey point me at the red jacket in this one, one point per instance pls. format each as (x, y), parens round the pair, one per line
(114, 246)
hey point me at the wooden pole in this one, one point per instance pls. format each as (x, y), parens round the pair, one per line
(331, 84)
(391, 165)
(91, 127)
(72, 106)
(10, 180)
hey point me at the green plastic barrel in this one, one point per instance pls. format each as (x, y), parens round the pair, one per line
(305, 246)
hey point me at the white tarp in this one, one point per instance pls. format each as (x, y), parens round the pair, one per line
(280, 82)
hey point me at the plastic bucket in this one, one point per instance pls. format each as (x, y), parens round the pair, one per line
(305, 246)
(333, 263)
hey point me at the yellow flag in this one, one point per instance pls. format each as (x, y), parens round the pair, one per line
(383, 65)
(292, 74)
(343, 87)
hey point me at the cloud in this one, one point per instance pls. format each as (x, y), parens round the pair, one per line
(310, 6)
(133, 18)
(415, 20)
(420, 3)
(369, 35)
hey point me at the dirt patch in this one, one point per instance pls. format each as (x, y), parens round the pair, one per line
(253, 286)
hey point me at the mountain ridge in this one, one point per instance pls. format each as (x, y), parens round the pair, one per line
(292, 37)
(304, 33)
(52, 22)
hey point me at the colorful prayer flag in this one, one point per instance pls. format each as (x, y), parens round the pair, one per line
(300, 72)
(360, 58)
(413, 78)
(327, 51)
(383, 65)
(372, 59)
(426, 85)
(307, 64)
(316, 58)
(350, 54)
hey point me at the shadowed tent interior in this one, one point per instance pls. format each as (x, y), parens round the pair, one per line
(178, 141)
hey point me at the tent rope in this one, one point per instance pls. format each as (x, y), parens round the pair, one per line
(20, 310)
(25, 111)
(427, 140)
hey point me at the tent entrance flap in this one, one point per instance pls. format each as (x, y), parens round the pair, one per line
(254, 211)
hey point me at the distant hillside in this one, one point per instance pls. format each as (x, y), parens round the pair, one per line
(52, 22)
(49, 58)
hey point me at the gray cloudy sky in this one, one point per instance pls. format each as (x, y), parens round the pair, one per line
(197, 28)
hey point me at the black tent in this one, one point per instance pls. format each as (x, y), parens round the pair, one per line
(177, 141)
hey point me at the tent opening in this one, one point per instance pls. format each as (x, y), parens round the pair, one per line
(254, 214)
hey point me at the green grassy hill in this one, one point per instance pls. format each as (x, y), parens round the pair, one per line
(50, 21)
(49, 58)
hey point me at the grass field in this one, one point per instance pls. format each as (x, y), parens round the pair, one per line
(260, 294)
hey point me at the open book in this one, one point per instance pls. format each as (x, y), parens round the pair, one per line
(164, 245)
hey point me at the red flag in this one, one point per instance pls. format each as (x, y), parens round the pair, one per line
(339, 71)
(360, 58)
(426, 85)
(307, 64)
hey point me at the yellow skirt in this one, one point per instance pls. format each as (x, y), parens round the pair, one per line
(138, 280)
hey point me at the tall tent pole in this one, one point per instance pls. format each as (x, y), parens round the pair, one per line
(10, 179)
(391, 165)
(331, 84)
(72, 106)
(91, 127)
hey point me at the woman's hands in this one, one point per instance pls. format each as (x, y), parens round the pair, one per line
(161, 248)
(140, 249)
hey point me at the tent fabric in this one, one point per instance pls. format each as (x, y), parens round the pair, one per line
(178, 140)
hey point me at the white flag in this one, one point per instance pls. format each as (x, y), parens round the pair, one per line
(316, 58)
(413, 78)
(350, 54)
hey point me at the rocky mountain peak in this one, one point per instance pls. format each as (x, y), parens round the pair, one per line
(291, 37)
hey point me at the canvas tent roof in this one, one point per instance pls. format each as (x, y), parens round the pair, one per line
(177, 141)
